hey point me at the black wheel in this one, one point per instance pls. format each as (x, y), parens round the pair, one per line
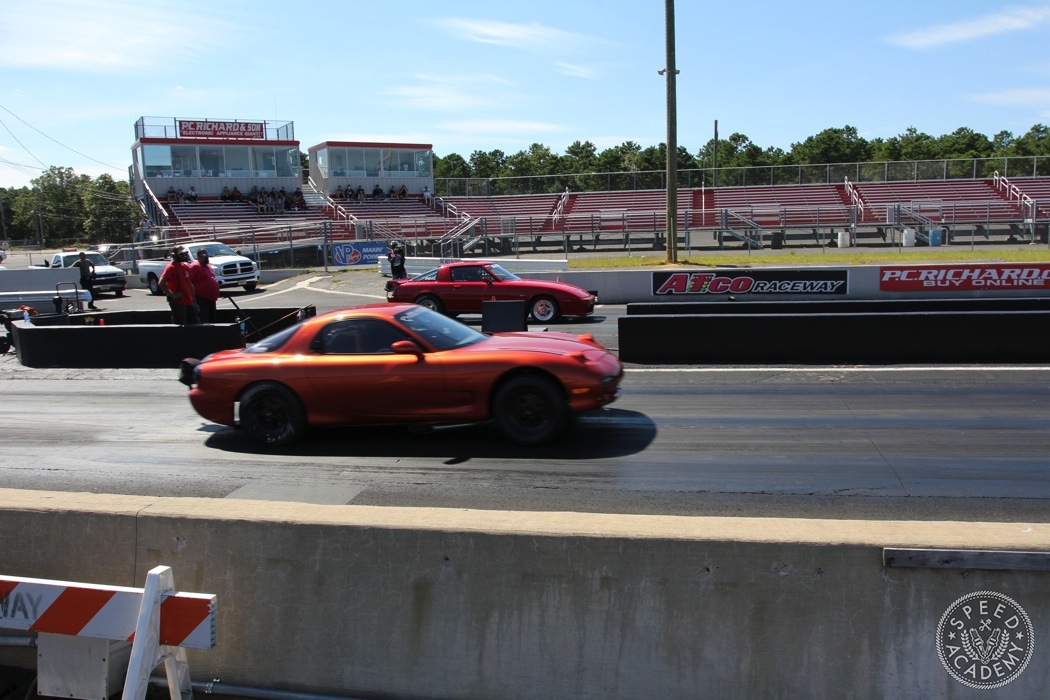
(250, 286)
(530, 410)
(272, 414)
(429, 301)
(544, 309)
(120, 292)
(154, 285)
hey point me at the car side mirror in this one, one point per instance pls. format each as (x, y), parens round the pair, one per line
(407, 347)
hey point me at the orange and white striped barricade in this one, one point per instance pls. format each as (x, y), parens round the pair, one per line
(71, 619)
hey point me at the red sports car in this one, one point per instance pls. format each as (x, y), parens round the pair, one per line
(402, 363)
(461, 287)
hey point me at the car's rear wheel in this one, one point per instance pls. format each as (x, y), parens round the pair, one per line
(530, 410)
(544, 309)
(154, 285)
(272, 414)
(429, 301)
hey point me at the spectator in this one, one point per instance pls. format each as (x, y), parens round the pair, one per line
(253, 194)
(87, 277)
(236, 195)
(205, 285)
(338, 193)
(361, 194)
(191, 196)
(225, 196)
(396, 256)
(176, 285)
(271, 204)
(427, 197)
(392, 194)
(377, 192)
(260, 203)
(402, 192)
(172, 195)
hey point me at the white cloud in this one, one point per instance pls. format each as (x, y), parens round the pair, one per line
(107, 36)
(531, 36)
(1016, 97)
(575, 70)
(1011, 20)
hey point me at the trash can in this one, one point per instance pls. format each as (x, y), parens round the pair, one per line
(908, 239)
(843, 239)
(936, 236)
(778, 240)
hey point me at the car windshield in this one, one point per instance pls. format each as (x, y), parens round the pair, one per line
(214, 249)
(273, 342)
(442, 332)
(502, 273)
(95, 258)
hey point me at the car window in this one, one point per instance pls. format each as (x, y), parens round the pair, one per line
(428, 276)
(502, 272)
(215, 250)
(469, 273)
(358, 336)
(442, 332)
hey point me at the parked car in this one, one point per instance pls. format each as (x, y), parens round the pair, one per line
(230, 269)
(402, 363)
(461, 287)
(107, 277)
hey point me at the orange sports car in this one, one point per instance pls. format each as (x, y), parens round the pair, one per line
(463, 287)
(402, 363)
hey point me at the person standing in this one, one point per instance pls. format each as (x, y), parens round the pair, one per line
(205, 286)
(87, 277)
(396, 256)
(176, 285)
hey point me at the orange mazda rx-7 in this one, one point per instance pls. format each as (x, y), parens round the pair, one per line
(402, 363)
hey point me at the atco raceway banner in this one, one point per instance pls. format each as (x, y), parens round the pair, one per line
(220, 130)
(751, 282)
(349, 254)
(964, 277)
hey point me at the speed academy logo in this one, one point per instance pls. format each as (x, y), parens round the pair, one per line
(984, 640)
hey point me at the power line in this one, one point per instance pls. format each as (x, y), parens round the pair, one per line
(82, 155)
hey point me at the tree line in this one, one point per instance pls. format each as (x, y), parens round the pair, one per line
(60, 206)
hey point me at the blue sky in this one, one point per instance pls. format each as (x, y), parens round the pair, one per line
(465, 75)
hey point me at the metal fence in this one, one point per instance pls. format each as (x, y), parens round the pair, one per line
(832, 173)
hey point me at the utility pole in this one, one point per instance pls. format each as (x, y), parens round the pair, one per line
(39, 219)
(716, 155)
(671, 231)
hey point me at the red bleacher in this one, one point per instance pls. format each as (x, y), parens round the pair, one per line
(947, 201)
(1038, 190)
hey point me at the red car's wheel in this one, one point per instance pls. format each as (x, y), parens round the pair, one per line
(429, 301)
(272, 414)
(544, 309)
(530, 410)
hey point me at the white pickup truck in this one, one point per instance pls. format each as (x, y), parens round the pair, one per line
(107, 277)
(230, 269)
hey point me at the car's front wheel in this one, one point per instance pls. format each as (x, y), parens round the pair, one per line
(119, 292)
(544, 309)
(429, 301)
(250, 286)
(530, 410)
(272, 414)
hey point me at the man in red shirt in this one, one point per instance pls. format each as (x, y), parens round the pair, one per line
(176, 285)
(205, 286)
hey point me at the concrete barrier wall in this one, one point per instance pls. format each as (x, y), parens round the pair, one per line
(357, 600)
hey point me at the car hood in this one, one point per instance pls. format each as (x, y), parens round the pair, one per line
(543, 341)
(225, 259)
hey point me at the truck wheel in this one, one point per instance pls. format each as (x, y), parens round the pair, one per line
(120, 292)
(530, 410)
(272, 414)
(154, 285)
(250, 286)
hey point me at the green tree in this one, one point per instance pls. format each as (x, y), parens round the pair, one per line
(831, 146)
(111, 212)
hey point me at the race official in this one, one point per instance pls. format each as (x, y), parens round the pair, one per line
(205, 286)
(176, 285)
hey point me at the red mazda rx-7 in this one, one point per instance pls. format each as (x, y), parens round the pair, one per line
(461, 287)
(402, 363)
